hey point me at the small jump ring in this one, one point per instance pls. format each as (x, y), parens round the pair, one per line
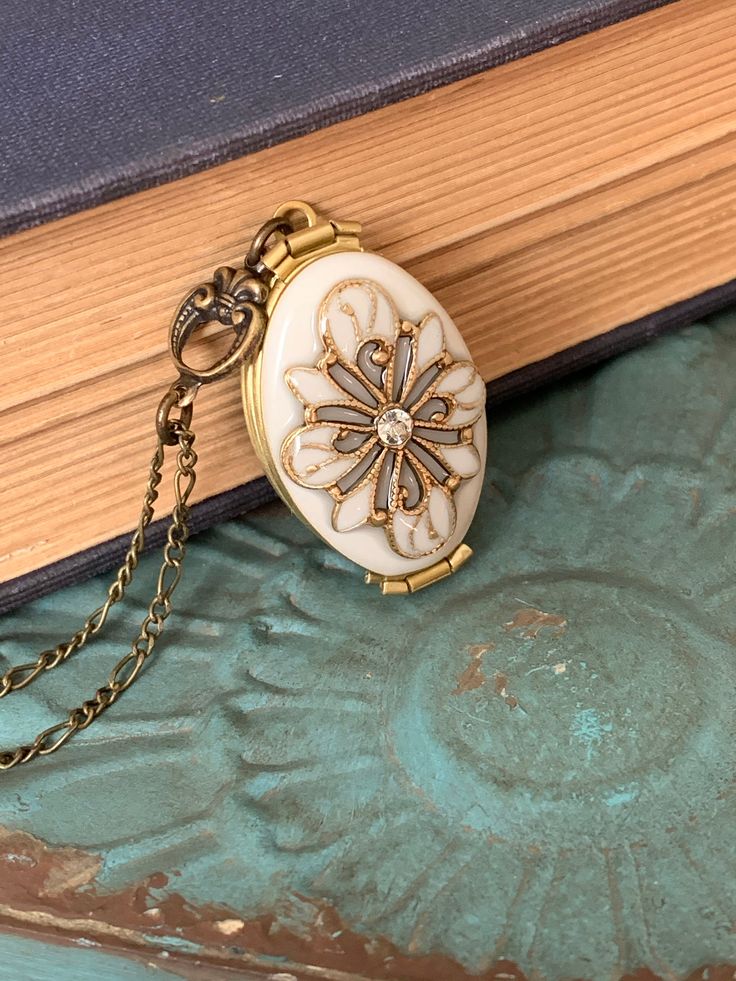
(168, 429)
(264, 233)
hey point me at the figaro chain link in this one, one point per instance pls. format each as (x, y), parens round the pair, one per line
(130, 666)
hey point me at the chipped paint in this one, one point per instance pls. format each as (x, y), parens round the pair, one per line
(500, 684)
(70, 869)
(623, 796)
(55, 890)
(530, 621)
(472, 677)
(560, 668)
(229, 927)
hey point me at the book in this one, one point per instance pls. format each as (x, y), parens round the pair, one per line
(562, 206)
(111, 98)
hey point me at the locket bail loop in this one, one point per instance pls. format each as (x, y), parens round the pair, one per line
(289, 217)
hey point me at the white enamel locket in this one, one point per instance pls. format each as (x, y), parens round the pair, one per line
(364, 405)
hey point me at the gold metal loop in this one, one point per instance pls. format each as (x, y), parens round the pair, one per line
(261, 237)
(289, 217)
(298, 208)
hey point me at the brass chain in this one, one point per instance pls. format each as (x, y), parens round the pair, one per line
(129, 667)
(235, 298)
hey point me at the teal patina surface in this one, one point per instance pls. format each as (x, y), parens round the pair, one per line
(528, 768)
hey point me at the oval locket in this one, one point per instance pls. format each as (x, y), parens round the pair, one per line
(365, 407)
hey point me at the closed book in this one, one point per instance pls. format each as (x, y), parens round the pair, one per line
(563, 200)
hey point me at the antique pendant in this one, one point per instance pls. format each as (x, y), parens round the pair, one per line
(363, 403)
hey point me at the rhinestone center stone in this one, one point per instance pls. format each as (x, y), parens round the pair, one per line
(394, 427)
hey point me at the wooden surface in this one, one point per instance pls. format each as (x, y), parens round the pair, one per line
(526, 771)
(544, 202)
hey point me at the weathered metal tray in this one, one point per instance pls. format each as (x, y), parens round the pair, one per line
(528, 769)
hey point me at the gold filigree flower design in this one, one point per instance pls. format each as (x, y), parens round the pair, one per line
(388, 417)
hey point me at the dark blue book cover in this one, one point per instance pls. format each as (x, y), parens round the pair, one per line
(101, 99)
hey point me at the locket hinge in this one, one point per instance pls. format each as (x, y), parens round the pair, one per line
(312, 238)
(415, 581)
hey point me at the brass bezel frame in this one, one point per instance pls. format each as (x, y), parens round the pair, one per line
(251, 381)
(282, 263)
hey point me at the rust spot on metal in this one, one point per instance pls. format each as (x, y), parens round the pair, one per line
(500, 685)
(531, 621)
(473, 677)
